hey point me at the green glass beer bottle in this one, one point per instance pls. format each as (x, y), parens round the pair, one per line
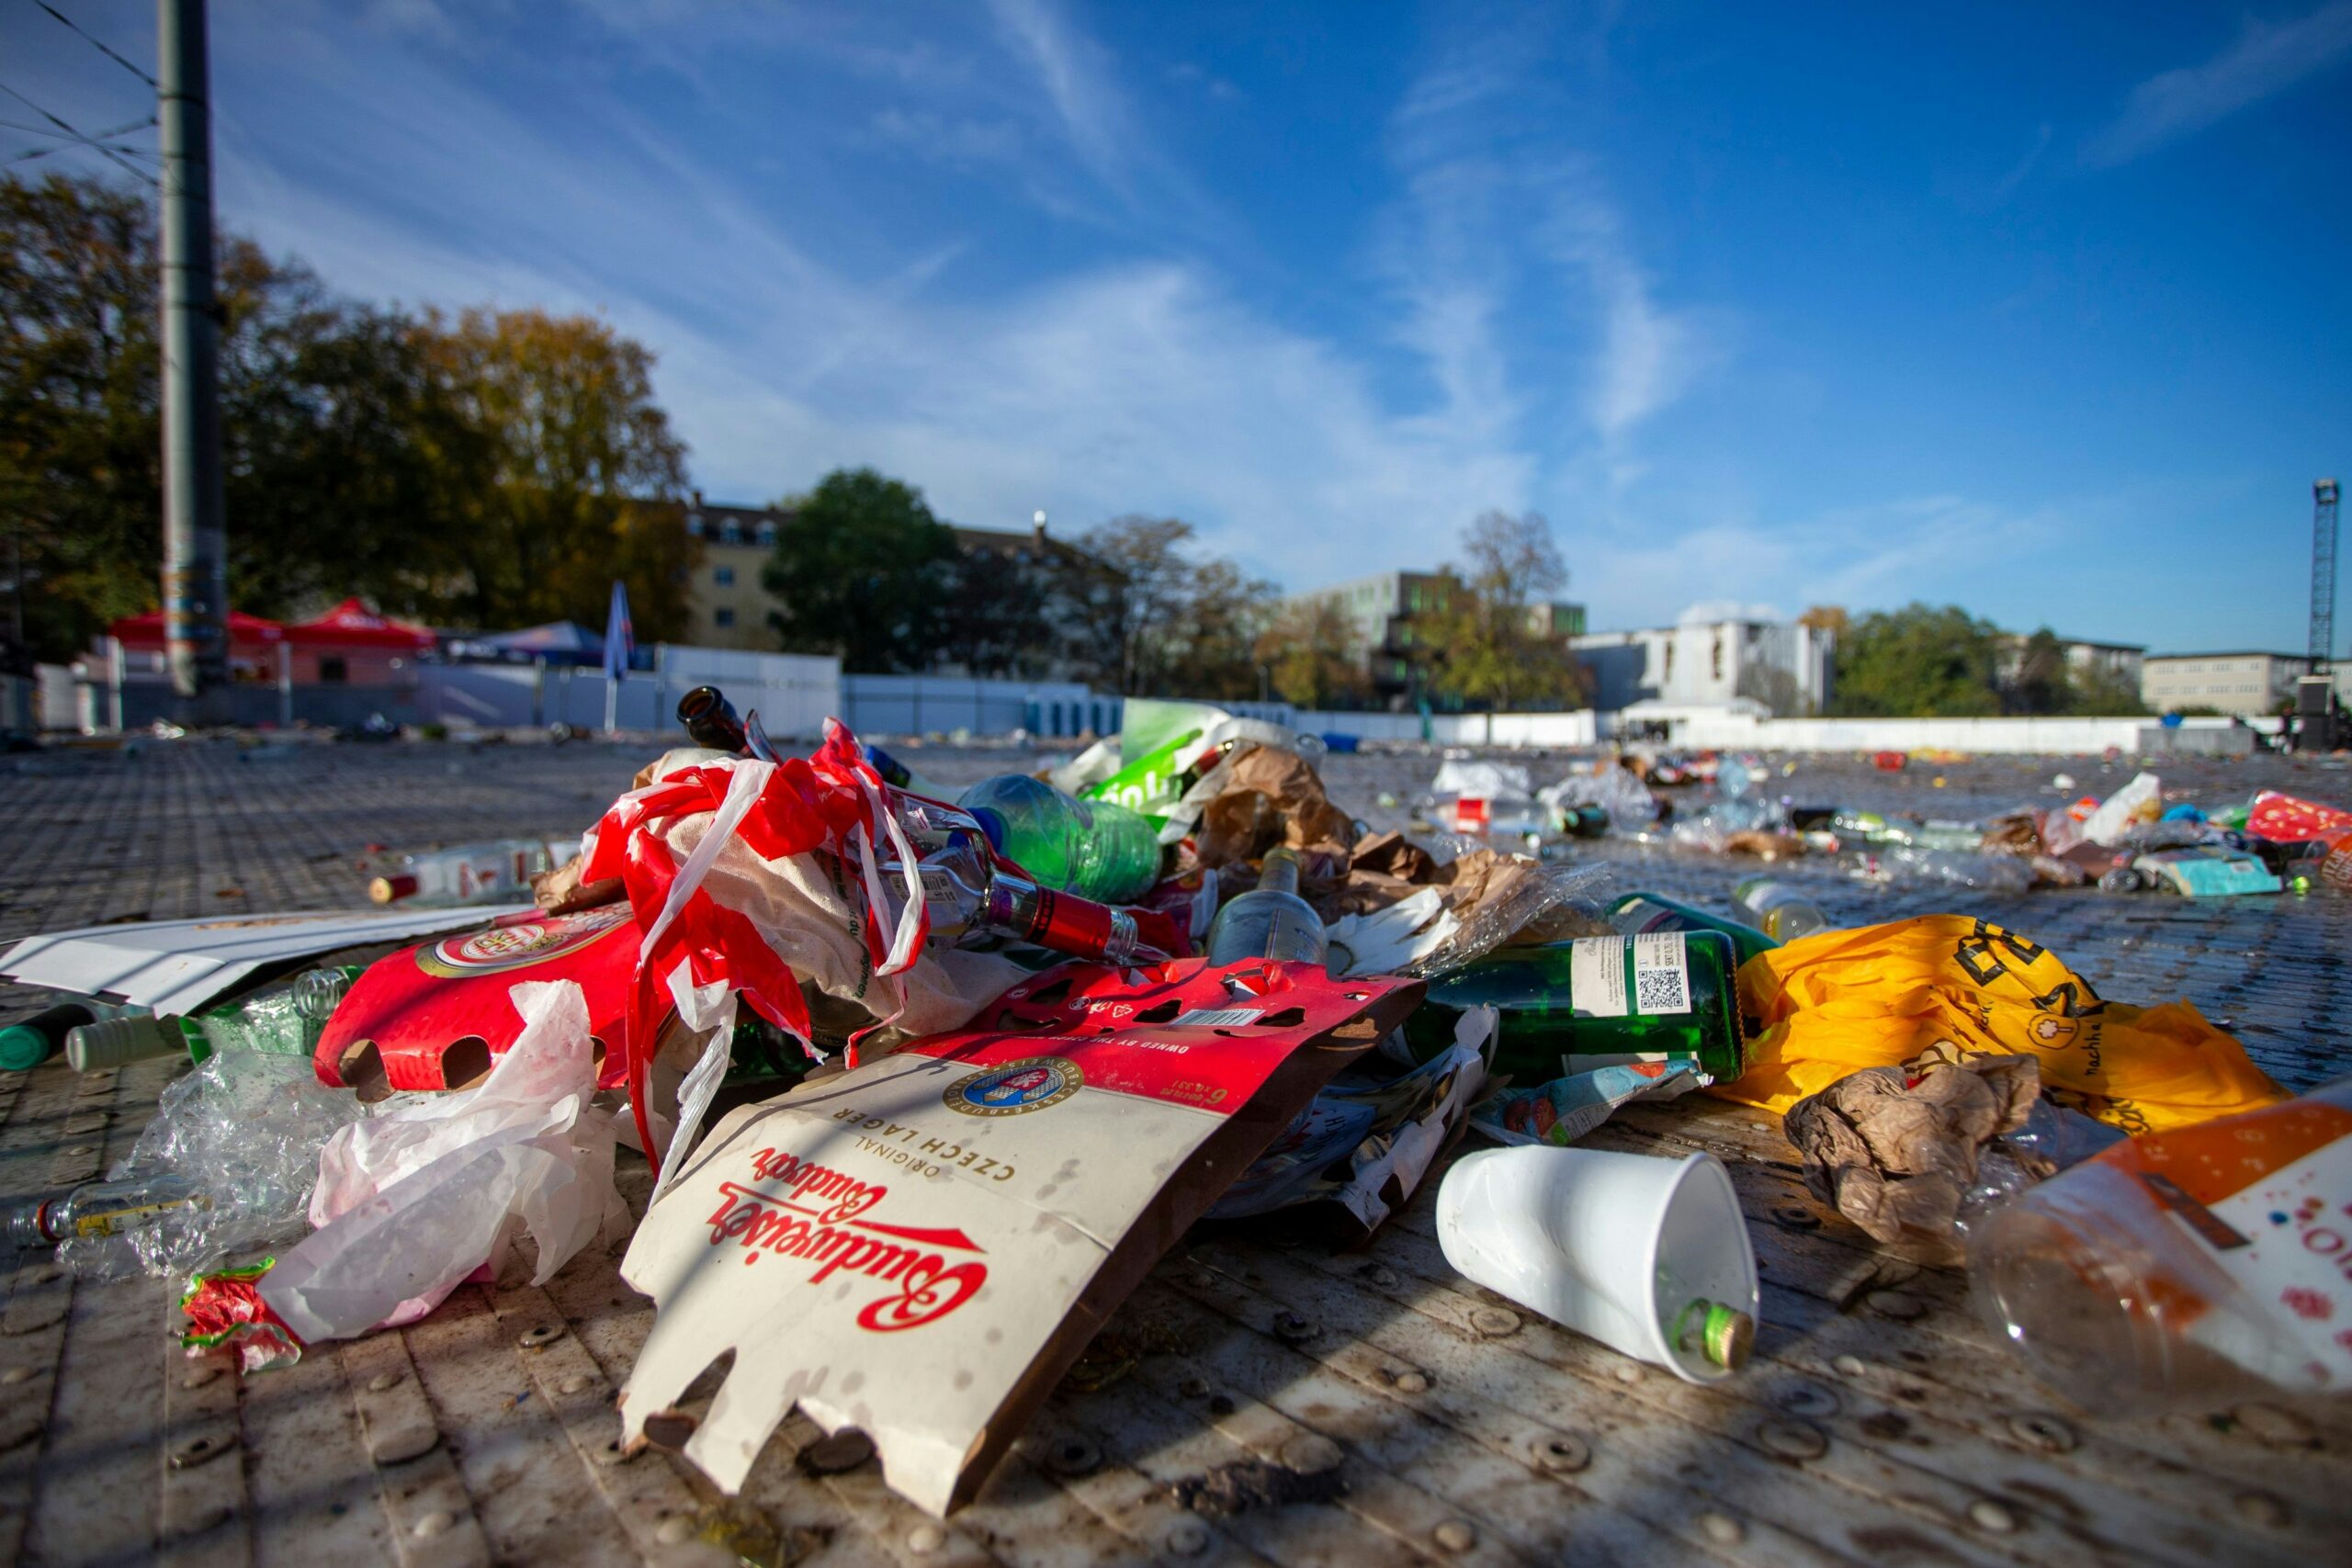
(1639, 912)
(1569, 1007)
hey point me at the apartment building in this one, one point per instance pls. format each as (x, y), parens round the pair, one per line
(2238, 682)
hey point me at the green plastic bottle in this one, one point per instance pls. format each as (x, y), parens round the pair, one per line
(282, 1020)
(1569, 1007)
(1091, 848)
(1639, 912)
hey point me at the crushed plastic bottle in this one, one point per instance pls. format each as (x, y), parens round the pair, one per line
(1092, 848)
(2193, 1267)
(1902, 863)
(283, 1020)
(1271, 920)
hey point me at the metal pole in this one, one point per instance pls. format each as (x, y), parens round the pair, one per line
(195, 586)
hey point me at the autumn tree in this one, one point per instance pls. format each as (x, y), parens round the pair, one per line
(580, 468)
(1313, 655)
(1150, 620)
(862, 569)
(1491, 641)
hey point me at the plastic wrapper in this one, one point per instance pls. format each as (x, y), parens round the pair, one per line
(1495, 898)
(1627, 799)
(1714, 826)
(246, 1128)
(1567, 1109)
(1903, 865)
(1459, 777)
(1384, 942)
(1369, 1135)
(409, 1205)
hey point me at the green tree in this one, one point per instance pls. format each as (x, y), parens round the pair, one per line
(991, 613)
(80, 479)
(2103, 693)
(861, 568)
(1490, 641)
(1916, 662)
(578, 474)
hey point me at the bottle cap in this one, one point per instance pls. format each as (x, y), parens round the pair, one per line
(23, 1046)
(1725, 1334)
(384, 889)
(991, 823)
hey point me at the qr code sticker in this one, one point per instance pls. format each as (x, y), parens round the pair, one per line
(1660, 990)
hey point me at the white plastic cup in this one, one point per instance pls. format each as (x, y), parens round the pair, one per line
(1610, 1245)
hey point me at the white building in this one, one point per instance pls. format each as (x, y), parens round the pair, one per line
(2115, 663)
(1781, 665)
(2238, 682)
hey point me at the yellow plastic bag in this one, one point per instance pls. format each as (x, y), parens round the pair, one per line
(1833, 1004)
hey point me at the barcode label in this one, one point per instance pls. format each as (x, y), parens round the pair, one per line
(1661, 973)
(1217, 1018)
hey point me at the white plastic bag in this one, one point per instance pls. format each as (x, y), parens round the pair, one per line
(1481, 781)
(409, 1205)
(2142, 800)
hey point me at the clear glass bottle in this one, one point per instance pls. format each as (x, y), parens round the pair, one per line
(964, 892)
(1271, 920)
(1092, 847)
(1777, 910)
(495, 872)
(98, 1208)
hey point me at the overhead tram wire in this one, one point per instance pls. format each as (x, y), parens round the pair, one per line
(74, 135)
(95, 43)
(103, 142)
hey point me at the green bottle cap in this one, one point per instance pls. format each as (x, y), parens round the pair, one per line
(23, 1046)
(1725, 1335)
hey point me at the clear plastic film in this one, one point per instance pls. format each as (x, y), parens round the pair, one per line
(1496, 897)
(245, 1128)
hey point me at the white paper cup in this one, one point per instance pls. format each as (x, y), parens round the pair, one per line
(1610, 1245)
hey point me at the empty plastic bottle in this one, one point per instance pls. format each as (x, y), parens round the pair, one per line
(1271, 920)
(42, 1036)
(1777, 910)
(2190, 1268)
(497, 873)
(98, 1208)
(1092, 848)
(283, 1020)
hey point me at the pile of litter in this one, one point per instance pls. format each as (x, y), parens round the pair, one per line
(930, 1080)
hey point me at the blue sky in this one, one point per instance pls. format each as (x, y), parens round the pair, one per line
(2039, 310)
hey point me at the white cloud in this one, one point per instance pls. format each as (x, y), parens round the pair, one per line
(2267, 58)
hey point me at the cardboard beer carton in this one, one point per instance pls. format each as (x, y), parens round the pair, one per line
(436, 1015)
(919, 1247)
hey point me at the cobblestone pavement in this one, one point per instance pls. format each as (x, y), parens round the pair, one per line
(1878, 1422)
(168, 830)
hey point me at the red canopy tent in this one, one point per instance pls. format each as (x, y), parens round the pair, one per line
(353, 625)
(245, 632)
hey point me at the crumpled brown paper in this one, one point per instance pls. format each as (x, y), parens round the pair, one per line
(1895, 1149)
(1271, 797)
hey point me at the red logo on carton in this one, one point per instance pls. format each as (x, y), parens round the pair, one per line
(817, 1215)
